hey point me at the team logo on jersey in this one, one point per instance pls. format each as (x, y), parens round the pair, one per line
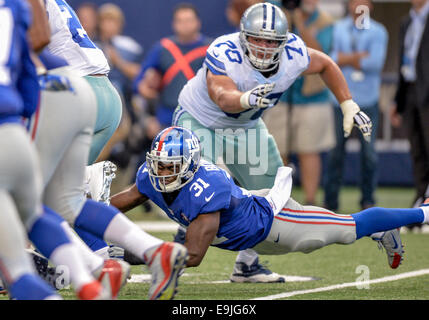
(209, 197)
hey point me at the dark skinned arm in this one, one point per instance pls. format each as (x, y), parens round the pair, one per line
(128, 199)
(200, 235)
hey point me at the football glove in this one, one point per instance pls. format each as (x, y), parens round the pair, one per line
(54, 82)
(256, 97)
(353, 116)
(98, 180)
(364, 124)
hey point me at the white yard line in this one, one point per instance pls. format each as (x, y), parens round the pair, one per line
(140, 278)
(158, 226)
(172, 226)
(400, 276)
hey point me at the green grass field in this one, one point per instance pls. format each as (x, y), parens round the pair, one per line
(332, 265)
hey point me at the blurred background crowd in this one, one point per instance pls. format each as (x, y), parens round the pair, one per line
(154, 47)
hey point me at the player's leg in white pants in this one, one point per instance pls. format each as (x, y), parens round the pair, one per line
(64, 192)
(301, 228)
(19, 191)
(63, 138)
(63, 122)
(298, 228)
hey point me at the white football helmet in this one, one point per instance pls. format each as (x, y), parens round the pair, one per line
(266, 21)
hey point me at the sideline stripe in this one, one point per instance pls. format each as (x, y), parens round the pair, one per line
(405, 275)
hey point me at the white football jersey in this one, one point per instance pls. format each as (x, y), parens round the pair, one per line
(70, 41)
(225, 56)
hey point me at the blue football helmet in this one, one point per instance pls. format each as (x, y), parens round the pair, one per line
(178, 148)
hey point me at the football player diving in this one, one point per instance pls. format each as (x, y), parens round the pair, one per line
(205, 200)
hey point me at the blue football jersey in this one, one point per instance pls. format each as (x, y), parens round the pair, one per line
(245, 220)
(19, 88)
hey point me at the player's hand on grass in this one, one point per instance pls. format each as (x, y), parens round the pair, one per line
(256, 98)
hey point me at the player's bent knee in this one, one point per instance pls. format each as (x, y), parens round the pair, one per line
(307, 246)
(349, 238)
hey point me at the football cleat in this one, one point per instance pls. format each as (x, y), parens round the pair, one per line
(391, 242)
(98, 180)
(116, 252)
(52, 275)
(113, 275)
(94, 291)
(255, 273)
(165, 262)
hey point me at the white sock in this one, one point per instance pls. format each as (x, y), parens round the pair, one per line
(247, 257)
(68, 257)
(126, 234)
(377, 235)
(425, 210)
(92, 260)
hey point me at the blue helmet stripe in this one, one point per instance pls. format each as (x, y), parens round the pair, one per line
(264, 24)
(273, 19)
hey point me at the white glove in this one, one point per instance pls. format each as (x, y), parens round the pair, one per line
(256, 97)
(354, 117)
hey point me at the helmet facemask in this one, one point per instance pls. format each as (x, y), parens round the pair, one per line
(262, 58)
(183, 169)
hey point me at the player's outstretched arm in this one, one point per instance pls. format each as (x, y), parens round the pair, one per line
(223, 91)
(200, 235)
(321, 63)
(128, 199)
(330, 72)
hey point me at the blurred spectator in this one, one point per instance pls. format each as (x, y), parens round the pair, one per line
(123, 52)
(87, 14)
(236, 8)
(124, 55)
(359, 48)
(171, 62)
(412, 96)
(302, 122)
